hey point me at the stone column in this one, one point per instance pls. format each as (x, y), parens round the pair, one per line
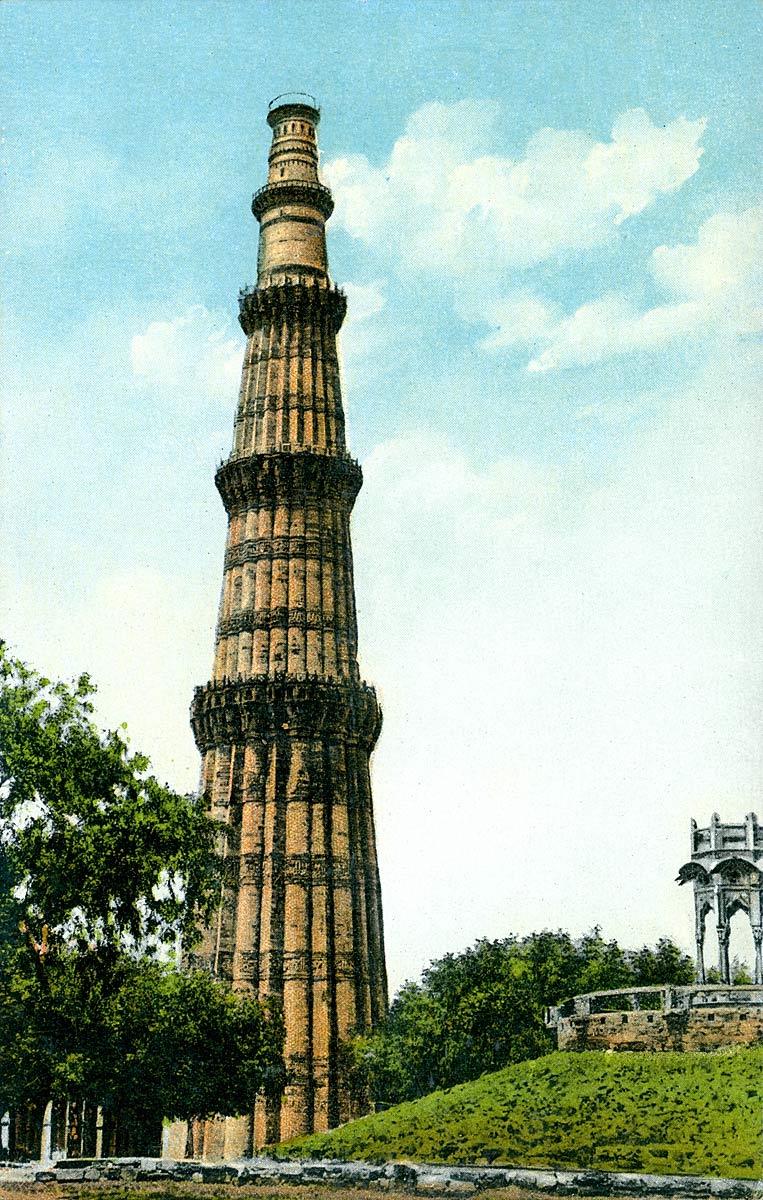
(757, 935)
(723, 953)
(699, 933)
(701, 974)
(46, 1141)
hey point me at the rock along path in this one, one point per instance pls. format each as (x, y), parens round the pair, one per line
(413, 1178)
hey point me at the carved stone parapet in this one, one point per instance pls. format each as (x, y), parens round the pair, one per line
(275, 618)
(293, 191)
(262, 479)
(299, 301)
(234, 712)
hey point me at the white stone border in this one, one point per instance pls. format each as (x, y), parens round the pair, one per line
(414, 1178)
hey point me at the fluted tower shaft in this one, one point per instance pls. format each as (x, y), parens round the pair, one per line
(286, 727)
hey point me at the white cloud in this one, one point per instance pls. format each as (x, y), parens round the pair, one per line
(566, 677)
(442, 204)
(519, 319)
(719, 283)
(194, 352)
(425, 474)
(364, 300)
(611, 325)
(361, 335)
(724, 268)
(642, 160)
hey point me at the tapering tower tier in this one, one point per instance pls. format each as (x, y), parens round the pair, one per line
(286, 726)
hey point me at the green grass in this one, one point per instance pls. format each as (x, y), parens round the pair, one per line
(675, 1114)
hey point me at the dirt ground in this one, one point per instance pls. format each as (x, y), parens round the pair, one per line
(222, 1191)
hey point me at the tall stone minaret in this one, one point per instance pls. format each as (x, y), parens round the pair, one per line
(286, 726)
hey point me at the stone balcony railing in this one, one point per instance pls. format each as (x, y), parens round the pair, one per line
(657, 999)
(722, 839)
(309, 192)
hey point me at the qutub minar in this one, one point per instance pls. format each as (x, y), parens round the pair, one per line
(286, 726)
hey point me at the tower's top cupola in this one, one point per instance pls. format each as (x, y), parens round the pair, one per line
(293, 205)
(294, 153)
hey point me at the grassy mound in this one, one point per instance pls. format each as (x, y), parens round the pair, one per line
(682, 1114)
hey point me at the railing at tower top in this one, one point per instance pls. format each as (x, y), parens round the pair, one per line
(293, 98)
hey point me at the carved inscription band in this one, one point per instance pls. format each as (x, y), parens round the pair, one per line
(294, 545)
(276, 618)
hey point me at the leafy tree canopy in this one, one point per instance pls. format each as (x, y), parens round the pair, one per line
(100, 852)
(102, 870)
(484, 1008)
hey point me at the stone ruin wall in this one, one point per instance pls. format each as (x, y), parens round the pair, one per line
(695, 1030)
(699, 1017)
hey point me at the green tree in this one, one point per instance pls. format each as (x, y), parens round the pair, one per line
(102, 854)
(484, 1008)
(740, 972)
(102, 869)
(666, 963)
(187, 1047)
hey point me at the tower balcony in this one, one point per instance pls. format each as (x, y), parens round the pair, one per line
(256, 479)
(306, 192)
(284, 706)
(298, 296)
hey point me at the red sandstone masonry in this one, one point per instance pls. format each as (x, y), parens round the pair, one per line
(286, 726)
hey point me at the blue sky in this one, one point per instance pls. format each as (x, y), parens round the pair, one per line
(549, 225)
